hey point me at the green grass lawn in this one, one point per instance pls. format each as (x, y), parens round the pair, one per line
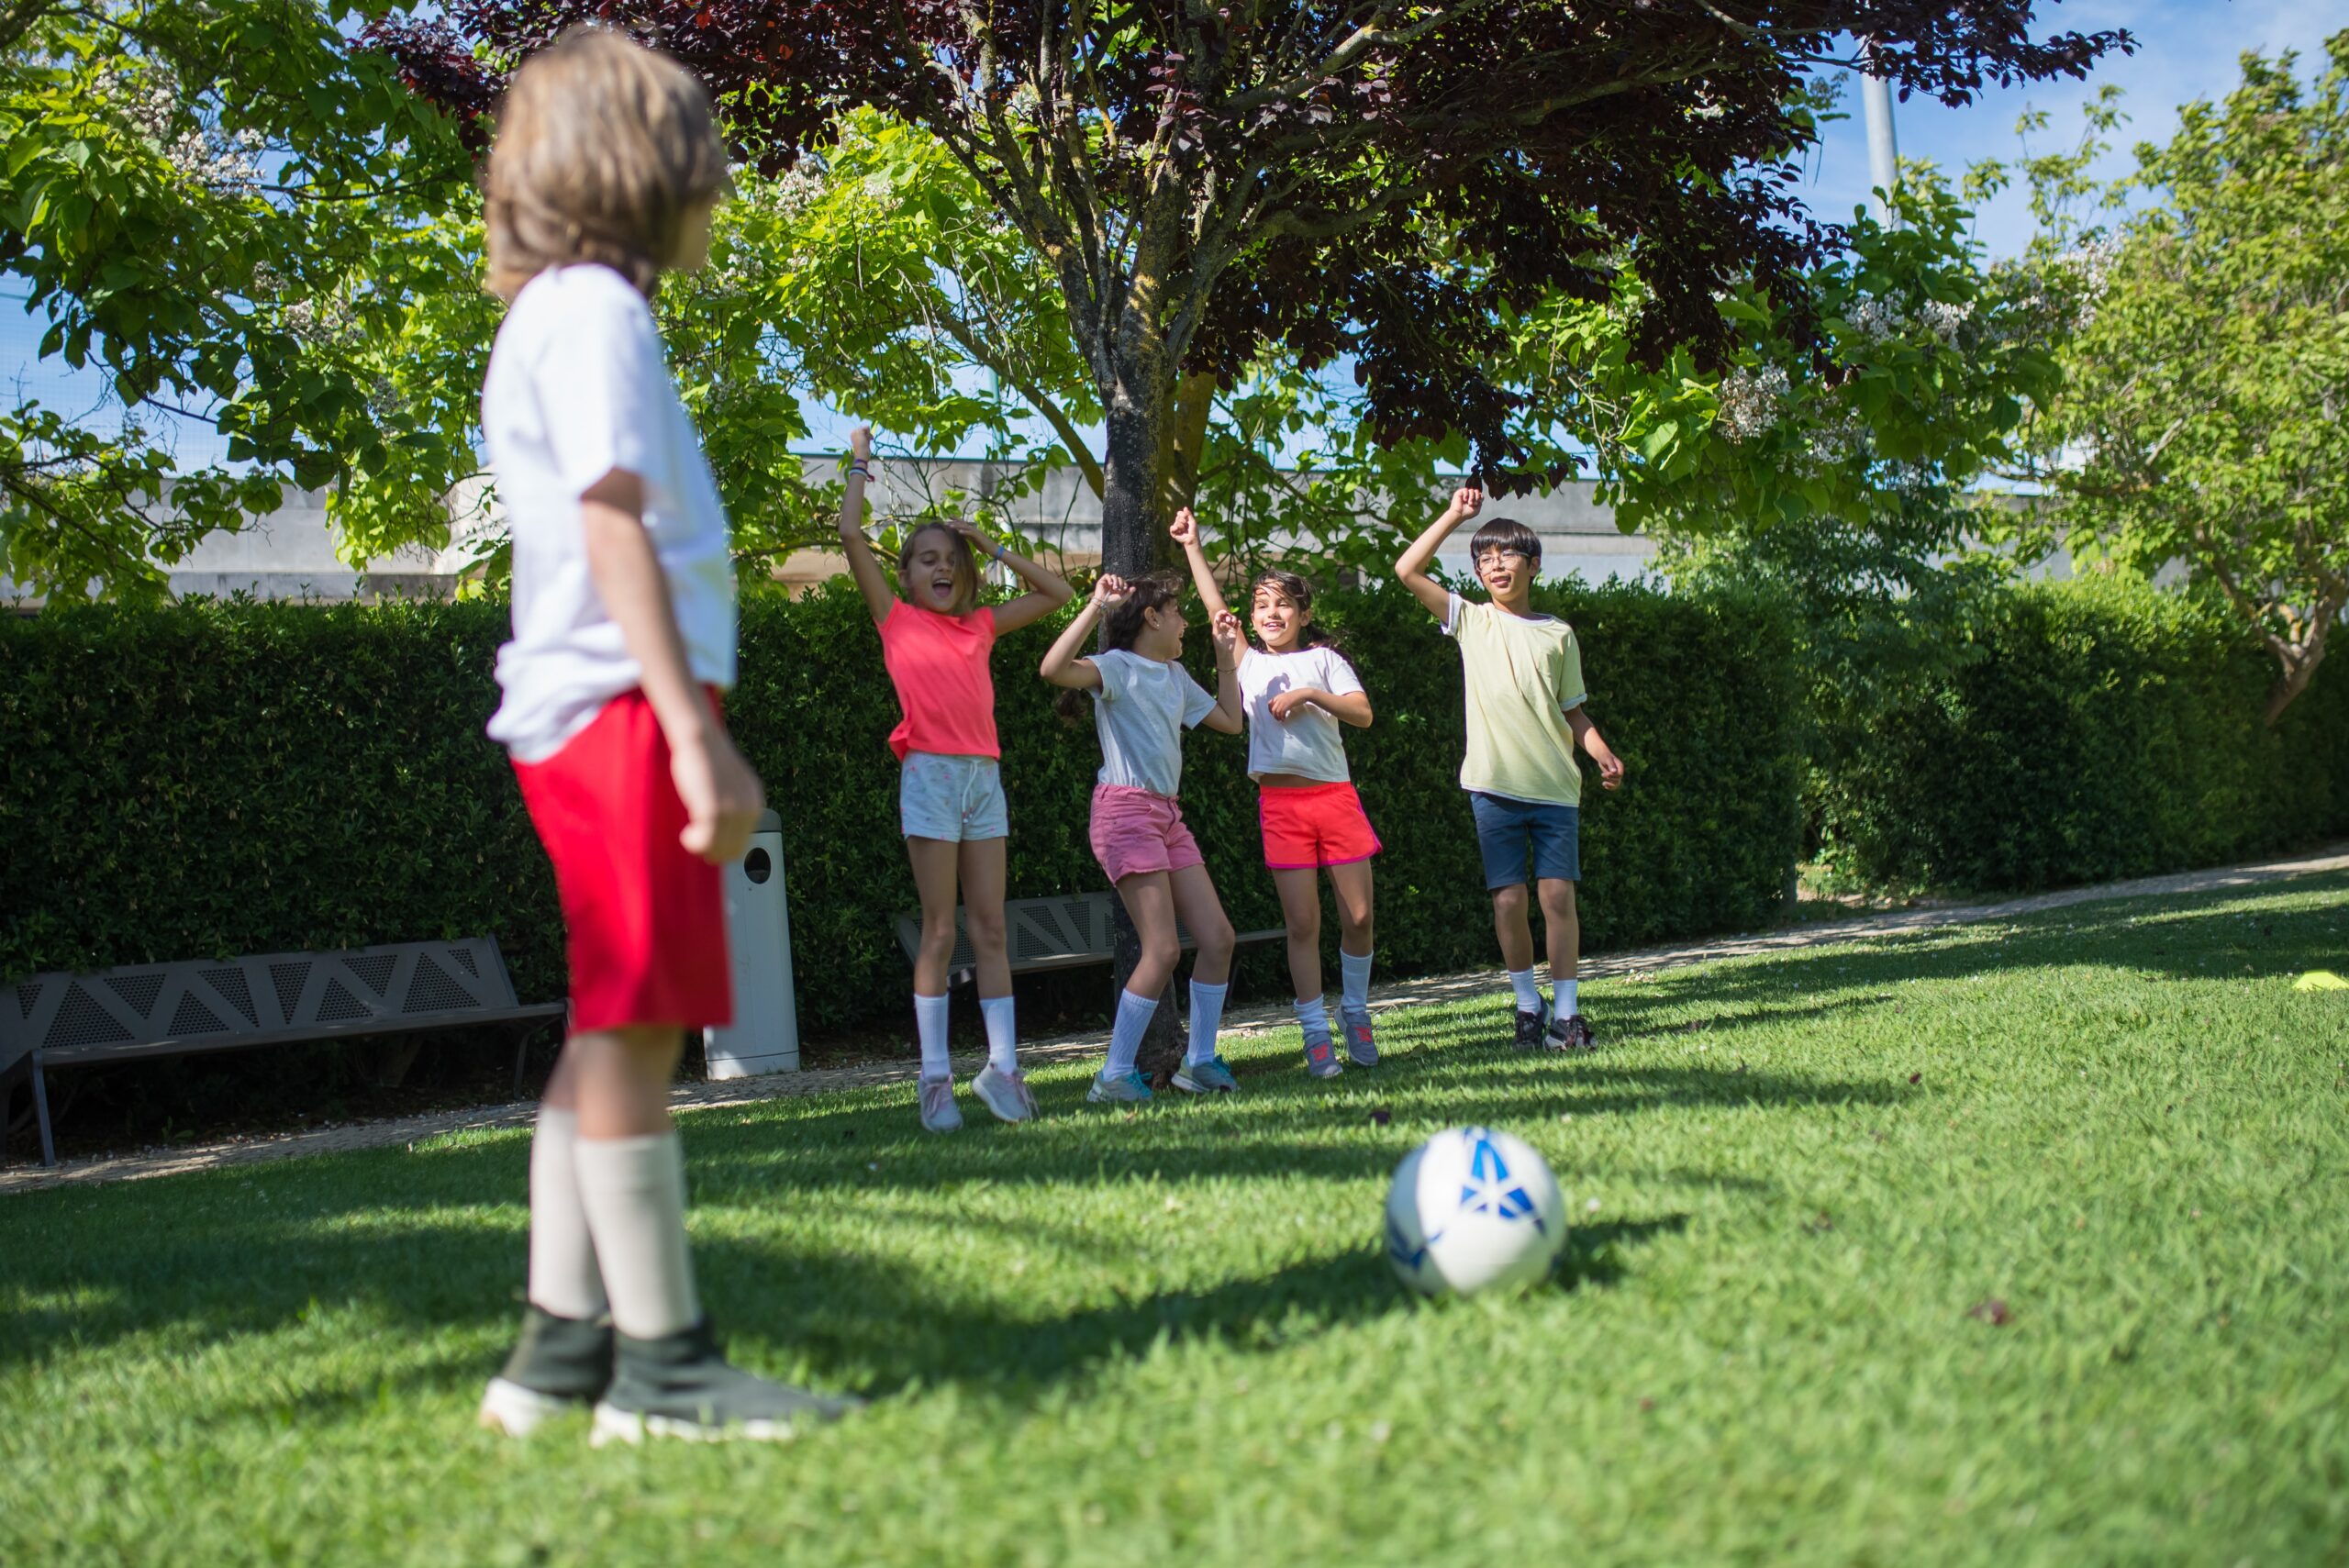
(1174, 1338)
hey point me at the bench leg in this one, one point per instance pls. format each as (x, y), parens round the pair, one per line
(522, 1052)
(41, 1113)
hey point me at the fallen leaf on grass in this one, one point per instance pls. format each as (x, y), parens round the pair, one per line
(1381, 1116)
(1991, 1310)
(1916, 1077)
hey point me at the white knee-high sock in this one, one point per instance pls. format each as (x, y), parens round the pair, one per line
(563, 1277)
(1313, 1017)
(633, 1190)
(1206, 1017)
(1125, 1036)
(1565, 999)
(1354, 970)
(930, 1021)
(1528, 992)
(1003, 1035)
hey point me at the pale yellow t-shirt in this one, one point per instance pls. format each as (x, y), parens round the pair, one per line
(1522, 674)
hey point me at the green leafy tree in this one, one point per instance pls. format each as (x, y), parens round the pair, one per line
(2203, 416)
(192, 192)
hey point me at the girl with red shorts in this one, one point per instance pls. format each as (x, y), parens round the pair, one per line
(1297, 689)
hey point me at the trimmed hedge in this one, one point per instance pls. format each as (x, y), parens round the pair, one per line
(2104, 730)
(208, 779)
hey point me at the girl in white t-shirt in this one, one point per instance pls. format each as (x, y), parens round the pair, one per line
(1297, 690)
(1142, 701)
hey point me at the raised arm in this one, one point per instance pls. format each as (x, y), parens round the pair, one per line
(1062, 664)
(871, 581)
(1185, 531)
(1412, 568)
(1228, 703)
(1047, 591)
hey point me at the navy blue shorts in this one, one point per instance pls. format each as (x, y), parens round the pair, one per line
(1506, 829)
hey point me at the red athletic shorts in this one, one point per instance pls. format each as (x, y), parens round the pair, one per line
(1315, 825)
(644, 917)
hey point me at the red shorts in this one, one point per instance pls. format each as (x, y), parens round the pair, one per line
(644, 919)
(1315, 825)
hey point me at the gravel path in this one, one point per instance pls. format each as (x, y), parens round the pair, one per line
(1243, 1020)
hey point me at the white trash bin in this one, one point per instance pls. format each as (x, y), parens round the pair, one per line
(764, 1035)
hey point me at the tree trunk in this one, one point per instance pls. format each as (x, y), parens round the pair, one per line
(1134, 542)
(2296, 671)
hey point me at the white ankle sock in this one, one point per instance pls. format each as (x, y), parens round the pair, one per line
(1562, 995)
(1529, 993)
(564, 1279)
(1206, 1017)
(633, 1190)
(1125, 1036)
(1003, 1035)
(930, 1020)
(1313, 1017)
(1353, 972)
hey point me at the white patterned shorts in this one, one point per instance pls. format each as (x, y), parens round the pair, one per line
(953, 798)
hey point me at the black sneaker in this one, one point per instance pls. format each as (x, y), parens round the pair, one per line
(1529, 1025)
(681, 1385)
(557, 1364)
(1571, 1033)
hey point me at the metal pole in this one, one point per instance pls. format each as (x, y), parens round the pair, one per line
(1884, 152)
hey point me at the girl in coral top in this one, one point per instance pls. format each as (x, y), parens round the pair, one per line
(935, 638)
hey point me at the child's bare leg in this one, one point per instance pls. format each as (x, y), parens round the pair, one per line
(1564, 928)
(936, 863)
(1149, 897)
(1202, 911)
(632, 1175)
(1300, 891)
(1351, 885)
(1512, 925)
(1000, 1086)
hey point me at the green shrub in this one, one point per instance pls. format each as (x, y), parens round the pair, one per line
(209, 779)
(2104, 730)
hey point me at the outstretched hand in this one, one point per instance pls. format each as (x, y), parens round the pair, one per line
(859, 444)
(1227, 633)
(1111, 590)
(1467, 501)
(1185, 528)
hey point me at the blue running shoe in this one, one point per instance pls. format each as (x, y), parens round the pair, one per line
(1362, 1047)
(1212, 1076)
(1128, 1089)
(1322, 1057)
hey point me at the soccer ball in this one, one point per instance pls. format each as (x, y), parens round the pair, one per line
(1473, 1209)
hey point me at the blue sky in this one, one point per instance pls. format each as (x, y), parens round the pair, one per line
(2187, 50)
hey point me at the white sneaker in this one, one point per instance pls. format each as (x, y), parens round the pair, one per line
(938, 1111)
(1006, 1094)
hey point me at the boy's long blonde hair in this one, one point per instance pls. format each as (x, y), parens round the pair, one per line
(603, 147)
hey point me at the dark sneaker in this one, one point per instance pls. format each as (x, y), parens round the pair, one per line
(557, 1364)
(680, 1386)
(1529, 1025)
(1570, 1034)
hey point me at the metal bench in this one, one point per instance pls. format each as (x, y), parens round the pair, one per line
(1064, 931)
(183, 1009)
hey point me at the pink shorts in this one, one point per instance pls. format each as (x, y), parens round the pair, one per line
(1138, 831)
(644, 919)
(1308, 826)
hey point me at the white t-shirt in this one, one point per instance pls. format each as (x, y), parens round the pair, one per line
(1308, 742)
(577, 388)
(1140, 713)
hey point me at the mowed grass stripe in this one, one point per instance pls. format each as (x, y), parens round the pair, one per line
(1798, 1185)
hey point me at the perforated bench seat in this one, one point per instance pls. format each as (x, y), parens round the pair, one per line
(281, 998)
(1064, 931)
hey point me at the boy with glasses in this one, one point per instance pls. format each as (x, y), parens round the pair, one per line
(1526, 715)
